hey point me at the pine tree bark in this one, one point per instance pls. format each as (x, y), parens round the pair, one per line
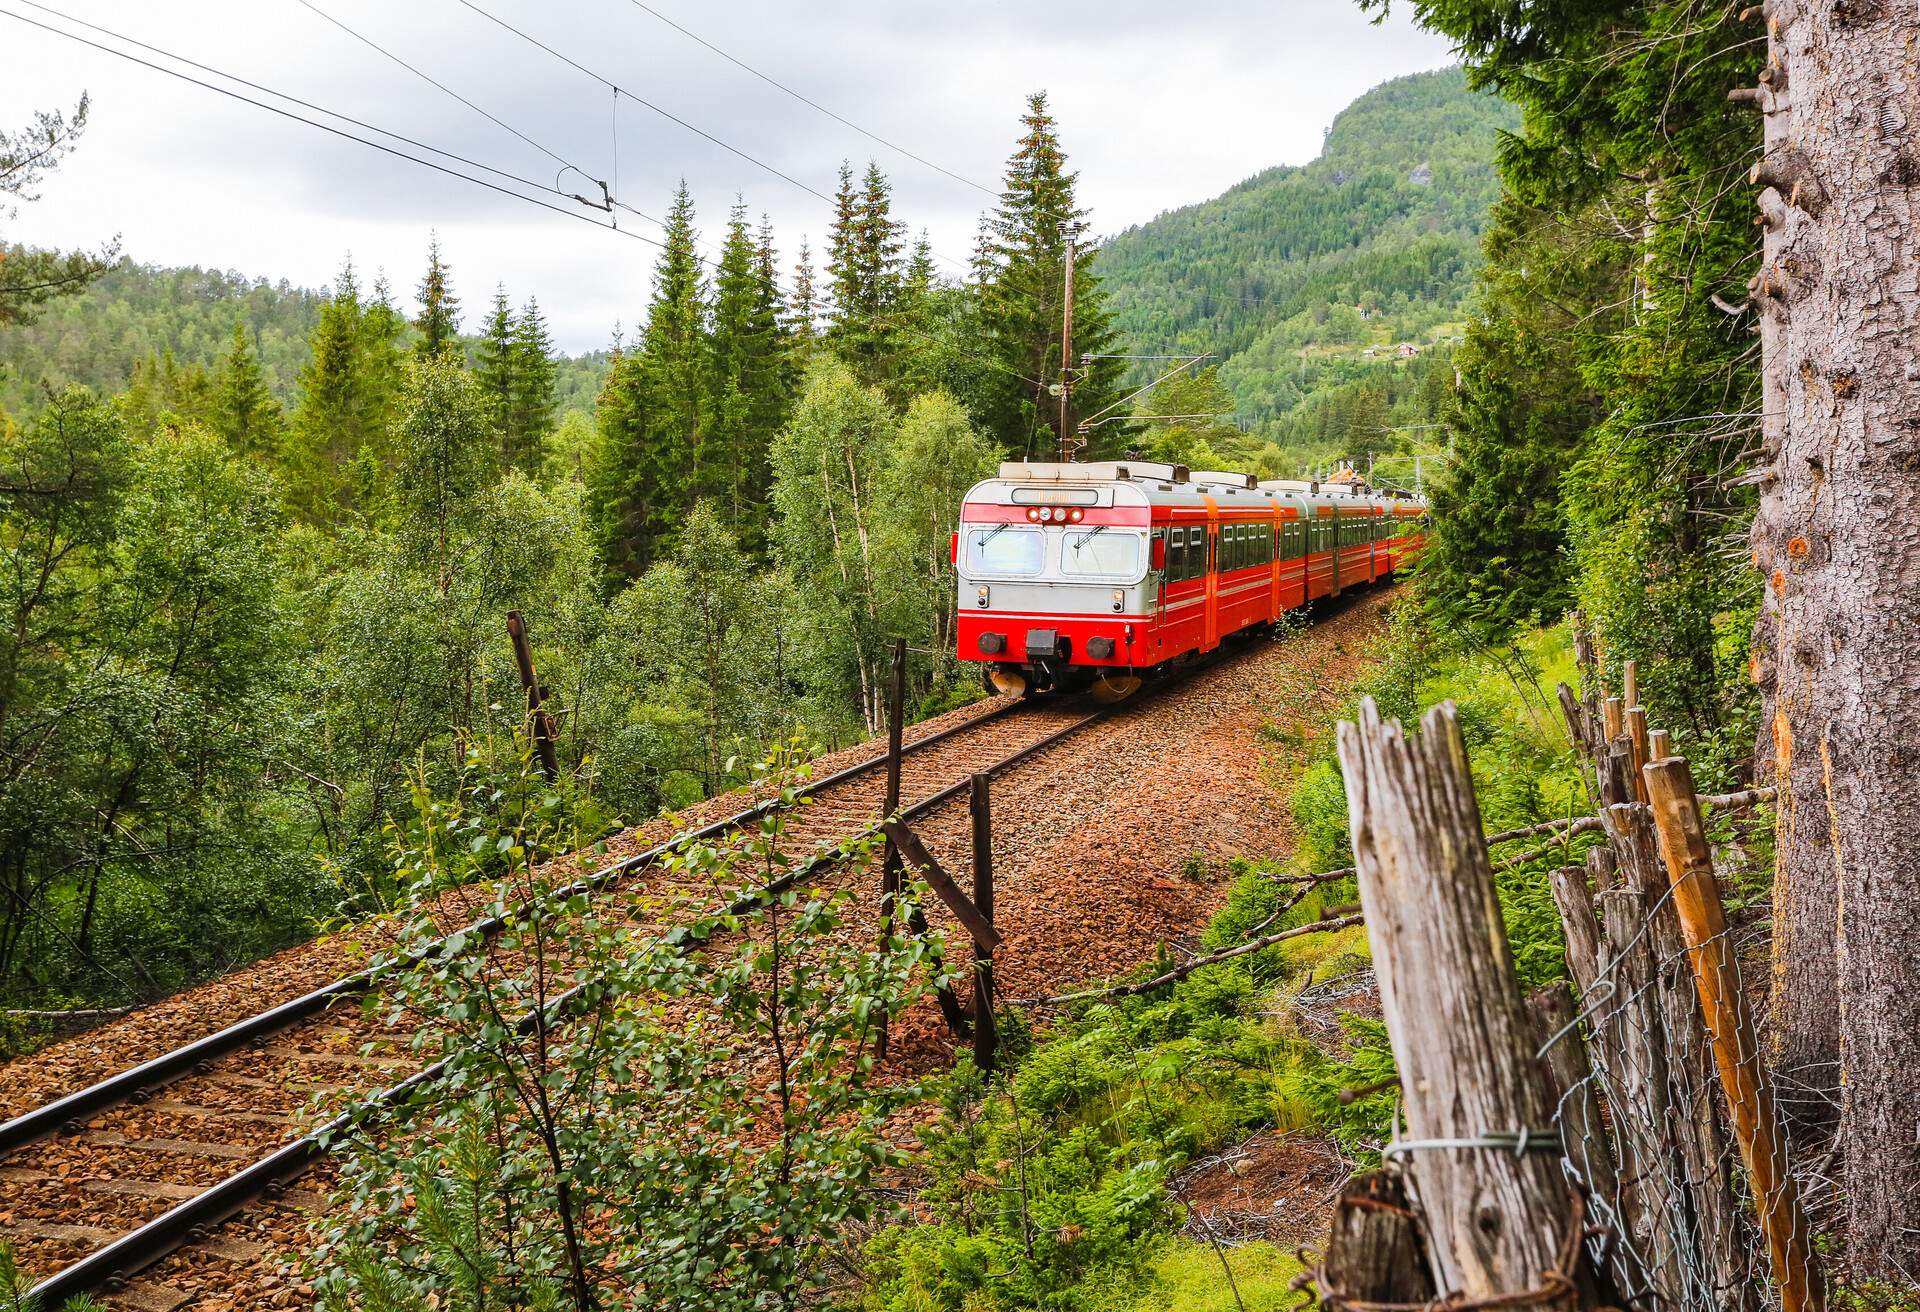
(1839, 545)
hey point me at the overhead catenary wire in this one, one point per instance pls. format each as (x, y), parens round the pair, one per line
(327, 127)
(806, 100)
(619, 90)
(431, 81)
(671, 117)
(316, 108)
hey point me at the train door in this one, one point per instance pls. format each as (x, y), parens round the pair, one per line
(1274, 557)
(1212, 562)
(1333, 532)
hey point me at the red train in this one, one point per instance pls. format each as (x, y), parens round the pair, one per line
(1097, 574)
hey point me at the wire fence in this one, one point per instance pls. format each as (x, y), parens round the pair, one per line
(1678, 1186)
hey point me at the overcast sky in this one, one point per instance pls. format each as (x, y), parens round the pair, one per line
(1159, 105)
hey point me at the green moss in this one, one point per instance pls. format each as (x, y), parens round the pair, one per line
(1187, 1278)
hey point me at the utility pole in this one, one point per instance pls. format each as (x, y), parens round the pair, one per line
(1066, 351)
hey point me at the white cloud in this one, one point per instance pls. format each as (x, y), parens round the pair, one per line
(1159, 106)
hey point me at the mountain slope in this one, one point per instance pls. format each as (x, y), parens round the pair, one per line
(1292, 274)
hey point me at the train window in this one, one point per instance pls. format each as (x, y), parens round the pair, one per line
(1176, 554)
(1005, 549)
(1100, 551)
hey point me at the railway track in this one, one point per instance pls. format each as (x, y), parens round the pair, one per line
(104, 1181)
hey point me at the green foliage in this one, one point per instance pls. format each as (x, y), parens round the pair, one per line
(1604, 398)
(140, 689)
(1047, 1188)
(555, 1154)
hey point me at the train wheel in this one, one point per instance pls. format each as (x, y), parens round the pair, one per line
(1007, 682)
(1107, 690)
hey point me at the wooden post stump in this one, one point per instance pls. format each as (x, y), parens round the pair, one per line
(543, 726)
(986, 1033)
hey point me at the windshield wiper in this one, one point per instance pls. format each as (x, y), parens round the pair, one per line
(1085, 538)
(998, 530)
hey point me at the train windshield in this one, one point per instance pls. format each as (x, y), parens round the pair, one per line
(1102, 551)
(1004, 549)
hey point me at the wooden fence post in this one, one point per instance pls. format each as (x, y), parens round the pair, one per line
(1479, 1108)
(1637, 740)
(543, 728)
(986, 1032)
(890, 861)
(1756, 1122)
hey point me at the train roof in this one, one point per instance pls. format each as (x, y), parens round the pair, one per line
(1118, 482)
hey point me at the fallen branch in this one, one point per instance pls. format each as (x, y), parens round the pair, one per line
(1181, 972)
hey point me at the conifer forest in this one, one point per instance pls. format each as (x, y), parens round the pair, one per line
(342, 616)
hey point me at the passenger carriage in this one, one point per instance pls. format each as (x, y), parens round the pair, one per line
(1099, 573)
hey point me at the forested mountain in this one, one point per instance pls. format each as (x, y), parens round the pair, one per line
(140, 312)
(1291, 276)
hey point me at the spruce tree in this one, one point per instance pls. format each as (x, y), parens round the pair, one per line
(1020, 268)
(725, 441)
(620, 489)
(531, 399)
(803, 311)
(347, 390)
(439, 321)
(776, 375)
(865, 273)
(246, 414)
(493, 358)
(651, 410)
(381, 332)
(675, 358)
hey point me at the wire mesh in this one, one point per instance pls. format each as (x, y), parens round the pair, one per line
(1644, 1120)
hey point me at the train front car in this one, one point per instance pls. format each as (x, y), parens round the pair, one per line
(1057, 576)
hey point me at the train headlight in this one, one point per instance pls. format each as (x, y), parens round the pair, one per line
(1119, 599)
(1074, 515)
(1036, 515)
(982, 593)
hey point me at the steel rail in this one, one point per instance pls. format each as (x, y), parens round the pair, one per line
(108, 1268)
(66, 1113)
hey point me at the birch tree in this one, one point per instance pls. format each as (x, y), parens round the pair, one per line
(824, 466)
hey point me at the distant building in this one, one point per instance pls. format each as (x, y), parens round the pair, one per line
(1406, 350)
(1371, 351)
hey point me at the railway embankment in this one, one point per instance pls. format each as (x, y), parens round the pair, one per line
(1114, 847)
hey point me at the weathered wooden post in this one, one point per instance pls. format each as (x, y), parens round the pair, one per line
(1637, 740)
(1736, 1052)
(543, 728)
(890, 861)
(986, 1033)
(1481, 1150)
(1613, 718)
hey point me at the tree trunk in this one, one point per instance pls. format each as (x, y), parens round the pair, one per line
(1840, 547)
